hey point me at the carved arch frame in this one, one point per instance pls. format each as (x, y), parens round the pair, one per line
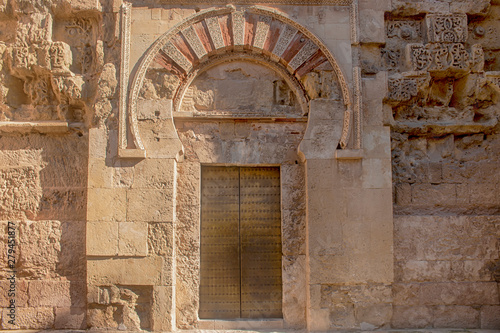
(130, 142)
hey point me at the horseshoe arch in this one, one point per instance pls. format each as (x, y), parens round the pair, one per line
(256, 32)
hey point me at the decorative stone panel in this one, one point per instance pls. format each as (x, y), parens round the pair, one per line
(447, 28)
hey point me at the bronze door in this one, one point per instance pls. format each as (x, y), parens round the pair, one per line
(240, 243)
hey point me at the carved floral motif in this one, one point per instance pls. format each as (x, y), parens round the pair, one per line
(407, 30)
(391, 58)
(447, 28)
(81, 30)
(440, 57)
(402, 90)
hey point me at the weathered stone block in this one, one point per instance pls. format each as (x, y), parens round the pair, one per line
(294, 291)
(407, 316)
(484, 194)
(102, 238)
(30, 318)
(106, 204)
(456, 316)
(376, 142)
(422, 271)
(403, 194)
(319, 320)
(159, 109)
(350, 171)
(98, 142)
(373, 316)
(293, 198)
(125, 271)
(163, 312)
(464, 293)
(434, 195)
(480, 7)
(132, 239)
(293, 231)
(415, 237)
(26, 199)
(159, 144)
(100, 175)
(62, 204)
(371, 23)
(490, 317)
(21, 290)
(374, 90)
(68, 170)
(471, 270)
(154, 173)
(320, 174)
(40, 248)
(377, 173)
(342, 316)
(62, 293)
(330, 269)
(161, 239)
(406, 293)
(356, 294)
(102, 317)
(70, 318)
(369, 204)
(150, 205)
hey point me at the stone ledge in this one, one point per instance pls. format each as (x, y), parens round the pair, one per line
(45, 126)
(132, 153)
(443, 127)
(349, 154)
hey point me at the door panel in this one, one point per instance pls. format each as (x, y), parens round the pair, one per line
(220, 263)
(260, 241)
(240, 243)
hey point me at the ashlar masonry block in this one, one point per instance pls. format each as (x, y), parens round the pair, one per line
(106, 204)
(102, 238)
(127, 271)
(133, 239)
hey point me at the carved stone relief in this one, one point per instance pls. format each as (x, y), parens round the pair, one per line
(54, 60)
(443, 57)
(447, 28)
(404, 30)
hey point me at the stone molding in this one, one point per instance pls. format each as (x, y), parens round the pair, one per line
(182, 51)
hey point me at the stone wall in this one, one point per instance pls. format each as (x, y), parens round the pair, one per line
(441, 64)
(110, 241)
(53, 87)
